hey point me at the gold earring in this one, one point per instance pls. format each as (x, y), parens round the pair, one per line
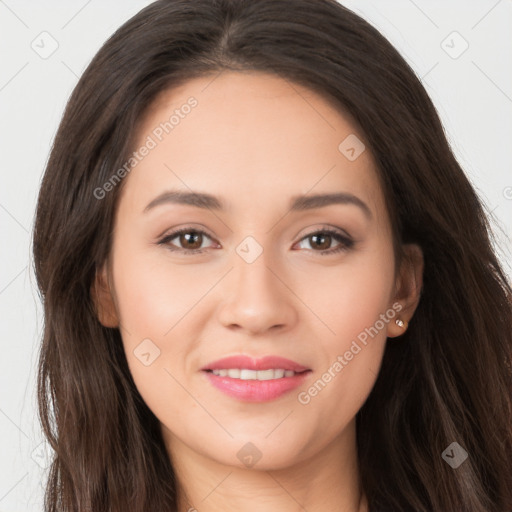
(401, 323)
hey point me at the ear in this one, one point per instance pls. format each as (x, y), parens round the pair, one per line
(408, 287)
(103, 299)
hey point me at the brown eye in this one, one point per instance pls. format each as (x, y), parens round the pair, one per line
(186, 240)
(320, 241)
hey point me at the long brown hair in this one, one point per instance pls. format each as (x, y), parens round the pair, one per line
(447, 379)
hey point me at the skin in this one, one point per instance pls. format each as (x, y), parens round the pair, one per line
(255, 140)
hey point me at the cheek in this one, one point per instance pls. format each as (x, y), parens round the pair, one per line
(149, 310)
(356, 307)
(154, 294)
(351, 297)
(145, 313)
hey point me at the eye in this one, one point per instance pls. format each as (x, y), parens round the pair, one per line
(190, 238)
(324, 237)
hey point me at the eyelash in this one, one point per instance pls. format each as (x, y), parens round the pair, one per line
(345, 242)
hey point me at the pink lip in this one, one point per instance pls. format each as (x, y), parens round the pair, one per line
(255, 390)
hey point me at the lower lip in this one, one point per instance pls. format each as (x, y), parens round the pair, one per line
(256, 390)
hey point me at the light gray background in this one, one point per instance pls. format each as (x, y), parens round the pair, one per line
(473, 94)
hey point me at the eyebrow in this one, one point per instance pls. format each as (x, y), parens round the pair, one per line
(297, 203)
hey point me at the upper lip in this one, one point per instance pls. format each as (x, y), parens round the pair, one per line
(250, 363)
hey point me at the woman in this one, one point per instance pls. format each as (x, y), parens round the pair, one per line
(201, 352)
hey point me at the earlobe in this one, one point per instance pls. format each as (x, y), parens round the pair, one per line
(408, 289)
(103, 300)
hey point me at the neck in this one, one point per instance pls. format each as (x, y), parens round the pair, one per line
(327, 481)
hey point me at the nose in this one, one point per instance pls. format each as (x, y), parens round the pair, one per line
(259, 298)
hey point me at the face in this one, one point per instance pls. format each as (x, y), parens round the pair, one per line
(260, 269)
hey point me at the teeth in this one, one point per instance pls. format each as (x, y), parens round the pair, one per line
(244, 374)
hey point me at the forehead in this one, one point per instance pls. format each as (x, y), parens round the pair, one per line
(249, 135)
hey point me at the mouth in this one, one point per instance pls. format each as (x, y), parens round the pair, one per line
(255, 380)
